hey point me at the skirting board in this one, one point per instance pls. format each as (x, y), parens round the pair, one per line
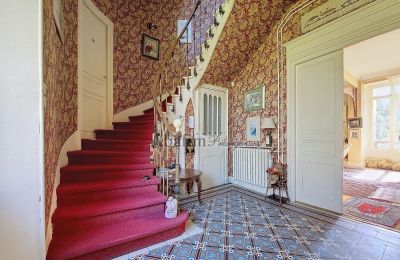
(248, 186)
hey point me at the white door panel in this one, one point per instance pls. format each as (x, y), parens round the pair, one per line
(212, 128)
(319, 172)
(213, 166)
(93, 60)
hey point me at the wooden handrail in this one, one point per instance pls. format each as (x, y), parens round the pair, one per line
(168, 56)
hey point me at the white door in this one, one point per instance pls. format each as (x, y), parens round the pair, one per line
(213, 130)
(95, 85)
(319, 134)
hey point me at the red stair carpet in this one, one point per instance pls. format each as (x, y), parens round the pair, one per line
(105, 207)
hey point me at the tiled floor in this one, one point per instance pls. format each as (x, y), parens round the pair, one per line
(238, 224)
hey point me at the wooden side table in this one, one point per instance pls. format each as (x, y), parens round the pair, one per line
(188, 177)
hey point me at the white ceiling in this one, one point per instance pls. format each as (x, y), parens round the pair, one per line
(375, 57)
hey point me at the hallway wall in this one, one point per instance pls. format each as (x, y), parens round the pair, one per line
(259, 69)
(21, 133)
(134, 74)
(61, 87)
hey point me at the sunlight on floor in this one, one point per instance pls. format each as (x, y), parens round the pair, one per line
(370, 175)
(391, 177)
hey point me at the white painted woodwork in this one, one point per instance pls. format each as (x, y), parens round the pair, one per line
(369, 21)
(212, 155)
(22, 132)
(95, 85)
(319, 149)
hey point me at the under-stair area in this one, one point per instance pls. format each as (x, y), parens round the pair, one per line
(108, 199)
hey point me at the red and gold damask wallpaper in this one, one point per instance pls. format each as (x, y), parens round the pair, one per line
(189, 163)
(134, 75)
(60, 87)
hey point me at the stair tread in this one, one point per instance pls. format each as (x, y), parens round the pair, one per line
(108, 153)
(69, 246)
(149, 110)
(106, 167)
(77, 211)
(140, 123)
(145, 116)
(116, 141)
(130, 131)
(92, 186)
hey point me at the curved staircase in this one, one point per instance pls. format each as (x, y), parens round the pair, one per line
(105, 206)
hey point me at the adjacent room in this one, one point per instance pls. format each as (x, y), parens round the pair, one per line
(371, 127)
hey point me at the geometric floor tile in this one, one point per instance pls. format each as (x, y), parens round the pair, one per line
(239, 224)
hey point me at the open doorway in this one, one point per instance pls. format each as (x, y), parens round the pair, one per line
(371, 130)
(315, 102)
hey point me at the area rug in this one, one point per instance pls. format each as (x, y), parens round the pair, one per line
(378, 212)
(358, 189)
(363, 183)
(387, 194)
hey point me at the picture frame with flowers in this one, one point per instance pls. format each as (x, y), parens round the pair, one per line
(150, 47)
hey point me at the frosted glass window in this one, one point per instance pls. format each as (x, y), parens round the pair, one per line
(219, 116)
(210, 115)
(215, 116)
(205, 115)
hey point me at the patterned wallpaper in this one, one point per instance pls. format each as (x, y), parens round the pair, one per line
(249, 25)
(60, 78)
(134, 74)
(189, 163)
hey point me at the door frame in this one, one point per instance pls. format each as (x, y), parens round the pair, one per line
(110, 80)
(364, 23)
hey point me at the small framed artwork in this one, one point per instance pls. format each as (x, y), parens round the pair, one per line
(190, 145)
(355, 134)
(355, 122)
(150, 47)
(253, 129)
(187, 35)
(58, 15)
(254, 99)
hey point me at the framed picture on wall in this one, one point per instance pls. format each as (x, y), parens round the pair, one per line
(355, 122)
(150, 47)
(254, 99)
(355, 134)
(253, 129)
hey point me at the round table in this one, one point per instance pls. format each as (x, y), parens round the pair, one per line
(187, 176)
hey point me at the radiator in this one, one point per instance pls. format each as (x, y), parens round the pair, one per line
(250, 164)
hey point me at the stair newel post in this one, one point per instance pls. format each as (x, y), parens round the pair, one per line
(194, 45)
(187, 55)
(177, 124)
(201, 23)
